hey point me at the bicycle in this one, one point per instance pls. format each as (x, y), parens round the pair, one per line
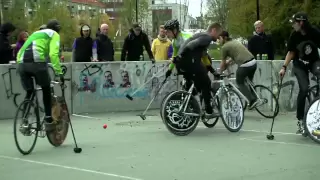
(60, 115)
(181, 111)
(312, 116)
(263, 98)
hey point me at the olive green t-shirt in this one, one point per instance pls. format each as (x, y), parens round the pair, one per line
(236, 51)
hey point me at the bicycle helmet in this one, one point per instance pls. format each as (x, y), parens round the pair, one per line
(54, 25)
(172, 24)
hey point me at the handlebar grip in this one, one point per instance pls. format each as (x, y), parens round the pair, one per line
(67, 79)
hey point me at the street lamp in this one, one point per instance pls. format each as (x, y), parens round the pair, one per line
(258, 10)
(136, 11)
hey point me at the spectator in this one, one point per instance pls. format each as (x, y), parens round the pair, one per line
(170, 51)
(133, 45)
(105, 49)
(21, 39)
(160, 45)
(84, 47)
(260, 44)
(6, 50)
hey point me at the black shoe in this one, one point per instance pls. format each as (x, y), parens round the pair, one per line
(49, 124)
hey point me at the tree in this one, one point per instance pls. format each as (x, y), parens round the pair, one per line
(217, 11)
(128, 13)
(274, 13)
(46, 10)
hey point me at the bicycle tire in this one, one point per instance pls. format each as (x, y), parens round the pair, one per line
(275, 99)
(314, 138)
(15, 131)
(161, 105)
(169, 125)
(241, 111)
(57, 137)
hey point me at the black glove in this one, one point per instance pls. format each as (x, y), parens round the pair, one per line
(153, 61)
(61, 79)
(216, 74)
(168, 73)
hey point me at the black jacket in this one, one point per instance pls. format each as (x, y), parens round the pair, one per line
(82, 48)
(133, 47)
(6, 52)
(105, 49)
(261, 44)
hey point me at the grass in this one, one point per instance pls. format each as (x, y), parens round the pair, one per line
(214, 53)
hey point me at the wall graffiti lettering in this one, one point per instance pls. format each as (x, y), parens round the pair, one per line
(8, 86)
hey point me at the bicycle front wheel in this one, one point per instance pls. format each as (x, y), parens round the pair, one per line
(231, 108)
(25, 125)
(268, 105)
(312, 123)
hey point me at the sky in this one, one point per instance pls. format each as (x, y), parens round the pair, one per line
(194, 6)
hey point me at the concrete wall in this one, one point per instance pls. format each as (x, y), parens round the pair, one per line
(101, 87)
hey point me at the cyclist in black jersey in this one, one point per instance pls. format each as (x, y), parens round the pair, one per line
(189, 62)
(302, 47)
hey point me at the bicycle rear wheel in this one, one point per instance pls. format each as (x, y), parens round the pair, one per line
(268, 106)
(60, 115)
(24, 126)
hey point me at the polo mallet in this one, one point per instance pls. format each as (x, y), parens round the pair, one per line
(75, 149)
(143, 85)
(143, 115)
(270, 136)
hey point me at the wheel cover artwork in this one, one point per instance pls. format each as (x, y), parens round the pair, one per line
(313, 117)
(175, 120)
(232, 113)
(61, 119)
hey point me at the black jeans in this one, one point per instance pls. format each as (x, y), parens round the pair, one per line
(198, 74)
(302, 75)
(241, 74)
(40, 72)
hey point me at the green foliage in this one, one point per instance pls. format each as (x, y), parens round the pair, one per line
(274, 13)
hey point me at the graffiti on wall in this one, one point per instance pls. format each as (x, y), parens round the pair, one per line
(7, 77)
(116, 80)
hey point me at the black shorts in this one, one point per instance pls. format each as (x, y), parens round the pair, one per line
(37, 70)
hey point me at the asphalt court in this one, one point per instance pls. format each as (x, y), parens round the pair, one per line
(132, 149)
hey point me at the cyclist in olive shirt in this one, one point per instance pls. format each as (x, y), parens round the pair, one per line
(247, 65)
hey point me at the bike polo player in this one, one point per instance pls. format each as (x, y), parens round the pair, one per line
(239, 54)
(32, 63)
(178, 38)
(188, 61)
(302, 47)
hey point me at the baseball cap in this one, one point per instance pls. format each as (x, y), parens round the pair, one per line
(85, 28)
(136, 26)
(300, 16)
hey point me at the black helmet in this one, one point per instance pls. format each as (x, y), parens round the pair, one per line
(54, 25)
(43, 26)
(172, 24)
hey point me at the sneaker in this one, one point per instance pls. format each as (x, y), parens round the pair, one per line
(301, 128)
(49, 124)
(253, 104)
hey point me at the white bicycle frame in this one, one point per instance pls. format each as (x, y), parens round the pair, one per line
(227, 81)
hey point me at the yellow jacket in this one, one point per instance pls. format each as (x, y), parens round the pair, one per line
(160, 49)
